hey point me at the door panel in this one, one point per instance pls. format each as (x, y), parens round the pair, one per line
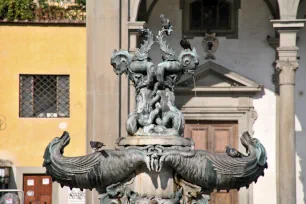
(30, 189)
(37, 189)
(214, 136)
(224, 135)
(199, 134)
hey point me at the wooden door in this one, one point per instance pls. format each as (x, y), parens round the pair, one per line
(213, 136)
(37, 189)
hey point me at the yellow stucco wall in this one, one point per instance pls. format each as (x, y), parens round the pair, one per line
(41, 50)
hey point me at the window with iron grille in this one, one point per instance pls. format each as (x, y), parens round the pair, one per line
(216, 16)
(44, 96)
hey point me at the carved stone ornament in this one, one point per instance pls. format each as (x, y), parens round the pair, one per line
(286, 71)
(155, 163)
(210, 44)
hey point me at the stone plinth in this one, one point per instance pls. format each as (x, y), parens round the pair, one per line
(150, 184)
(154, 140)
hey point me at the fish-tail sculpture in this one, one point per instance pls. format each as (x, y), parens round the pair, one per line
(96, 170)
(220, 171)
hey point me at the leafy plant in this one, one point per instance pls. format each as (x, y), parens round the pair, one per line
(24, 9)
(42, 10)
(81, 2)
(17, 9)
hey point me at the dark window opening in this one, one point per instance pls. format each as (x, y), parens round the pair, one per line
(210, 14)
(216, 16)
(44, 96)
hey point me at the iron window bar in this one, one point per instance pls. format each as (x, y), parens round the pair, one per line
(44, 96)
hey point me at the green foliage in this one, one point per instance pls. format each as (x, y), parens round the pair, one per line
(17, 9)
(43, 3)
(81, 2)
(42, 10)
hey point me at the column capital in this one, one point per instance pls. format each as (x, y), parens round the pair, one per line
(286, 71)
(288, 8)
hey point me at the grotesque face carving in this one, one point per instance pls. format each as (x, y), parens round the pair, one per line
(210, 44)
(189, 61)
(120, 61)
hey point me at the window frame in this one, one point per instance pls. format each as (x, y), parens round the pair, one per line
(231, 33)
(32, 88)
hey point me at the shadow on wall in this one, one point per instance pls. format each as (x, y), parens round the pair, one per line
(300, 124)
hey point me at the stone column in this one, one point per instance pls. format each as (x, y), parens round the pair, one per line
(103, 34)
(287, 64)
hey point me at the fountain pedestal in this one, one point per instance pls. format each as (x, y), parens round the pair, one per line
(151, 184)
(154, 184)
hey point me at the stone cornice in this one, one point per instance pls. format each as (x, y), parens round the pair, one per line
(135, 26)
(220, 89)
(5, 163)
(293, 23)
(237, 82)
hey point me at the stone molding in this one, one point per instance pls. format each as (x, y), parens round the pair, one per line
(288, 24)
(6, 163)
(238, 83)
(151, 140)
(245, 117)
(274, 42)
(220, 89)
(134, 26)
(286, 71)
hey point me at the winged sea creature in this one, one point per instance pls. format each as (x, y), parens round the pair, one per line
(97, 170)
(107, 167)
(220, 171)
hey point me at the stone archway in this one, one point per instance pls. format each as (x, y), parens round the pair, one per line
(134, 6)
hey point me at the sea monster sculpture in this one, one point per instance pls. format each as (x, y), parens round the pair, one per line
(155, 113)
(105, 168)
(195, 173)
(97, 170)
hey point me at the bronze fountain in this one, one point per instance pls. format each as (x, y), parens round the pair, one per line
(155, 163)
